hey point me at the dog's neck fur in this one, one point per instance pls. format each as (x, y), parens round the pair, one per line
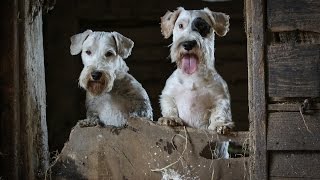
(122, 70)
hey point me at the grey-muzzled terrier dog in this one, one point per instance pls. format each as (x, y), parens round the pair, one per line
(195, 94)
(113, 95)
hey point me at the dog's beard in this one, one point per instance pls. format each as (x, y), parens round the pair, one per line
(96, 87)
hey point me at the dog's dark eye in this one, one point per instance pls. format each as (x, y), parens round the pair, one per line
(88, 52)
(108, 54)
(180, 26)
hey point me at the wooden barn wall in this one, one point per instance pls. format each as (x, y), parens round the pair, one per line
(293, 88)
(149, 63)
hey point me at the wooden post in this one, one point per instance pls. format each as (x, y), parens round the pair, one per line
(33, 92)
(255, 28)
(24, 146)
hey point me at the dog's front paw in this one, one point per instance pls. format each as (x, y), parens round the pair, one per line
(90, 122)
(221, 127)
(170, 121)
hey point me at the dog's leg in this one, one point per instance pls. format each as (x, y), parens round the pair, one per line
(169, 112)
(220, 118)
(140, 105)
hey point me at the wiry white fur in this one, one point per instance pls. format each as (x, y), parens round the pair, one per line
(123, 96)
(201, 99)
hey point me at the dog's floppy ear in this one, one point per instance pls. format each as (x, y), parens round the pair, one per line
(168, 21)
(220, 21)
(124, 44)
(77, 41)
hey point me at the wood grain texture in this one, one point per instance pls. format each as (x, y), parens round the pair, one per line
(294, 70)
(286, 15)
(255, 18)
(287, 131)
(295, 165)
(132, 153)
(290, 107)
(35, 155)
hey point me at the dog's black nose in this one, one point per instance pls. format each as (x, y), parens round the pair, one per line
(188, 45)
(201, 26)
(96, 75)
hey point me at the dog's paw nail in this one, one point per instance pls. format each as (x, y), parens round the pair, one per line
(223, 130)
(170, 121)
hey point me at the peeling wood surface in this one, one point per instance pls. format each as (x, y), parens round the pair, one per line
(287, 15)
(299, 165)
(287, 131)
(132, 153)
(294, 70)
(255, 28)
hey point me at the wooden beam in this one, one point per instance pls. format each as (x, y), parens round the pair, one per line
(255, 28)
(290, 107)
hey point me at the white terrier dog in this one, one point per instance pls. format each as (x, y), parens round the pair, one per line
(113, 95)
(195, 94)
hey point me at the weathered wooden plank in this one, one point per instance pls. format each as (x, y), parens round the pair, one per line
(289, 131)
(255, 28)
(33, 128)
(294, 70)
(289, 107)
(295, 165)
(286, 15)
(132, 153)
(302, 37)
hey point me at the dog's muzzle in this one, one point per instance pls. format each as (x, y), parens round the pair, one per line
(96, 75)
(188, 45)
(99, 82)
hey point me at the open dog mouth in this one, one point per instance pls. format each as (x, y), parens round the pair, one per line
(189, 63)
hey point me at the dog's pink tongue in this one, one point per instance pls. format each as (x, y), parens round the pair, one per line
(189, 64)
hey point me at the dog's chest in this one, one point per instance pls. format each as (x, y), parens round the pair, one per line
(112, 110)
(194, 101)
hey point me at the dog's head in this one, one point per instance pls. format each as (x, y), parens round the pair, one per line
(193, 36)
(102, 55)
